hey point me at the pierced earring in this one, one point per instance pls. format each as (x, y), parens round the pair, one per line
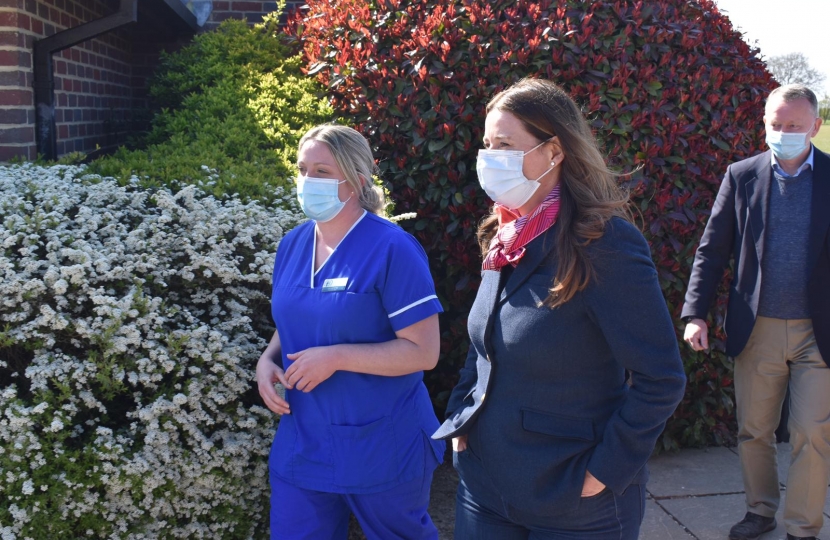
(553, 164)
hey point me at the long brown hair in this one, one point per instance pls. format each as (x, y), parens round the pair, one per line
(589, 193)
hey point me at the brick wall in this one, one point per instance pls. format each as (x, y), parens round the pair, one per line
(100, 84)
(252, 10)
(93, 89)
(17, 115)
(93, 85)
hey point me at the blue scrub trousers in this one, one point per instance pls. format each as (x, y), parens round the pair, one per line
(397, 513)
(481, 513)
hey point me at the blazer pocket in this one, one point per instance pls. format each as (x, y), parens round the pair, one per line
(564, 427)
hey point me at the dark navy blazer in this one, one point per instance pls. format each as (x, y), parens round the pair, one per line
(547, 393)
(737, 230)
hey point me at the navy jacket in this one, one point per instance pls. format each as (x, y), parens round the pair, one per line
(736, 231)
(547, 393)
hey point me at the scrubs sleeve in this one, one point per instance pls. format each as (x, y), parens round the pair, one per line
(408, 293)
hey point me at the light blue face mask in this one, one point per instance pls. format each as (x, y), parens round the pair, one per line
(500, 173)
(318, 197)
(786, 145)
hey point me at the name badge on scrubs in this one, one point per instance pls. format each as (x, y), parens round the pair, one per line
(335, 284)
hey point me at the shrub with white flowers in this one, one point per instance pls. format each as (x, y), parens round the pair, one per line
(130, 324)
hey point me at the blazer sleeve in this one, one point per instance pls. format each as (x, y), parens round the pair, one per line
(628, 306)
(468, 377)
(713, 253)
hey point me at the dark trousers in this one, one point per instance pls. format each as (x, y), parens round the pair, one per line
(481, 513)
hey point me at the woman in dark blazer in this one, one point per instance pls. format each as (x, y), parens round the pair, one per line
(574, 366)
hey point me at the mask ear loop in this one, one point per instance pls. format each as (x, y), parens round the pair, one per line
(538, 145)
(552, 163)
(552, 166)
(338, 197)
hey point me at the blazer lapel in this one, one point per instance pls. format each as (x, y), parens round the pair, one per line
(489, 291)
(488, 294)
(537, 251)
(820, 215)
(757, 197)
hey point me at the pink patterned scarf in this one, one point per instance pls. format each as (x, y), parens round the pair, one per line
(508, 245)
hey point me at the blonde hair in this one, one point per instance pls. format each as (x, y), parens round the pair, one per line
(589, 193)
(353, 155)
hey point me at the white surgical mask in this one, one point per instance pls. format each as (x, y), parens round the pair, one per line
(500, 175)
(318, 197)
(786, 145)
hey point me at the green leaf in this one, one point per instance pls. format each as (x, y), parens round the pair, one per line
(434, 146)
(720, 144)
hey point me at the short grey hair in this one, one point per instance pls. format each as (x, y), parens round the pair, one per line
(793, 92)
(353, 155)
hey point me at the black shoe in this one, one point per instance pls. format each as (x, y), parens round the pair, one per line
(791, 537)
(751, 526)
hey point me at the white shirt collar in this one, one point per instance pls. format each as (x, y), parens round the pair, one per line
(808, 164)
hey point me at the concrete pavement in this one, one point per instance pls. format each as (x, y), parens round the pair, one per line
(692, 495)
(698, 494)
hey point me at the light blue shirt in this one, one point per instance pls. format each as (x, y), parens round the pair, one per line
(808, 164)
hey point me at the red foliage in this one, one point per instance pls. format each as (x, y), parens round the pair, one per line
(669, 86)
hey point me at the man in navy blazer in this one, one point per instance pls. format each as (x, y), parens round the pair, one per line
(772, 218)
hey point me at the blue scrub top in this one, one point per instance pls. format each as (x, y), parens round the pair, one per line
(354, 433)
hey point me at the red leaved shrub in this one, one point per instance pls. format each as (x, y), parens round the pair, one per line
(669, 86)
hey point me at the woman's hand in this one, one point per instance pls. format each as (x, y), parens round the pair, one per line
(459, 444)
(311, 367)
(591, 486)
(268, 373)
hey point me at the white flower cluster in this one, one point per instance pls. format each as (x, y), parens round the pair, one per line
(130, 324)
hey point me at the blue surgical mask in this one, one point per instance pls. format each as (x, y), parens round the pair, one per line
(500, 175)
(318, 197)
(787, 145)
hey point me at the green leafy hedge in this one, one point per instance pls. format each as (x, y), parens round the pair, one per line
(231, 108)
(668, 85)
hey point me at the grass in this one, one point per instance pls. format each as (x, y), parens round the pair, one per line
(822, 140)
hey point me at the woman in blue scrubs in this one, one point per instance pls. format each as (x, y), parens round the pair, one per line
(357, 323)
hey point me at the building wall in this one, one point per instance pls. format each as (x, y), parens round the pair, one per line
(100, 84)
(93, 80)
(252, 10)
(16, 112)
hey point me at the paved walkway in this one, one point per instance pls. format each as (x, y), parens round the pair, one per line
(694, 494)
(699, 494)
